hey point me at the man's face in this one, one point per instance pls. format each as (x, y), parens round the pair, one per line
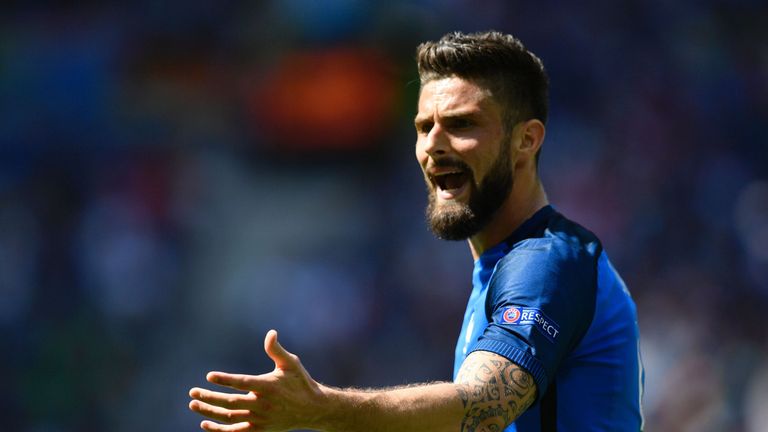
(465, 156)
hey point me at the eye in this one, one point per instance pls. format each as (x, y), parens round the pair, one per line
(424, 127)
(460, 123)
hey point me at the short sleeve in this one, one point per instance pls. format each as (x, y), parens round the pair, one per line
(541, 299)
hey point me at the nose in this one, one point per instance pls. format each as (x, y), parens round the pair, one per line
(436, 143)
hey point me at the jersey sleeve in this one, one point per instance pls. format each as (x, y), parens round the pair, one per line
(541, 300)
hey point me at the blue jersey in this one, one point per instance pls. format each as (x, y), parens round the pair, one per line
(549, 300)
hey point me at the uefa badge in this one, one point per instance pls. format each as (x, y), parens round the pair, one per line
(523, 316)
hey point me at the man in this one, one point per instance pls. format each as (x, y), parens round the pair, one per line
(550, 338)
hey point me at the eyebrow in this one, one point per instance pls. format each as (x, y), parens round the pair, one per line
(449, 115)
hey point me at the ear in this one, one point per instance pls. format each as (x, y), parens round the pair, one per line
(531, 133)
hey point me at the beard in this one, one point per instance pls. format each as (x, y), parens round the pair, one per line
(460, 221)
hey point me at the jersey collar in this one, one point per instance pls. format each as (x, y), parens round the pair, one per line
(526, 230)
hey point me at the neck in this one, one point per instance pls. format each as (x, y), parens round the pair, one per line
(525, 199)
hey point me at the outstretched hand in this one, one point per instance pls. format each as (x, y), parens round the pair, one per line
(284, 399)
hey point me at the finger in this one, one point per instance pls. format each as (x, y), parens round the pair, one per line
(282, 358)
(237, 427)
(239, 381)
(224, 400)
(220, 414)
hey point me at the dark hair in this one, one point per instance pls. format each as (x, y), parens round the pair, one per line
(515, 76)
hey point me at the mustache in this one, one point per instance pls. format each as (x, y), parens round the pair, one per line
(449, 163)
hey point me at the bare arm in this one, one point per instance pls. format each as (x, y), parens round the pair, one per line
(489, 393)
(493, 391)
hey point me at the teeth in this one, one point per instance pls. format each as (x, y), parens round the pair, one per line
(443, 181)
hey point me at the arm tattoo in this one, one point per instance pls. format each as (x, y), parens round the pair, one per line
(494, 392)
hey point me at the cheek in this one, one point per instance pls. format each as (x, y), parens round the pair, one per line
(421, 155)
(473, 155)
(482, 164)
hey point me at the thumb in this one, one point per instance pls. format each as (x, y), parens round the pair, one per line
(282, 358)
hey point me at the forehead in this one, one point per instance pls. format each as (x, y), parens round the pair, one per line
(453, 94)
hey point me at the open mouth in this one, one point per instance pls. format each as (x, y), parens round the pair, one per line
(450, 184)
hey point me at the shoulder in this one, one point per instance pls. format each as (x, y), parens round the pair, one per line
(558, 245)
(551, 276)
(561, 255)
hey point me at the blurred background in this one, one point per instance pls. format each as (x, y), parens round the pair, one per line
(178, 178)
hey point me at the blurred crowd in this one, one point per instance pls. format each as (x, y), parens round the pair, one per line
(176, 179)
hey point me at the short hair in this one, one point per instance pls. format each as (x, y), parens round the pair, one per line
(499, 62)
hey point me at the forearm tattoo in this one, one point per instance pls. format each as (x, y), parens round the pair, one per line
(494, 392)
